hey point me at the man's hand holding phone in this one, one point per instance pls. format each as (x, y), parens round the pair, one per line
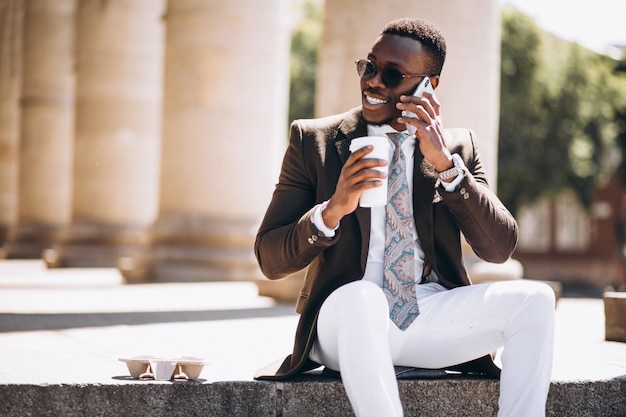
(430, 137)
(425, 86)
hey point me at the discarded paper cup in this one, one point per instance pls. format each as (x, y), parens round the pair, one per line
(163, 369)
(191, 366)
(137, 366)
(377, 196)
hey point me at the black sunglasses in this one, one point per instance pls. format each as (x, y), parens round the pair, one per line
(392, 77)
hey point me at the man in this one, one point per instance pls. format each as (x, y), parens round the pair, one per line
(351, 294)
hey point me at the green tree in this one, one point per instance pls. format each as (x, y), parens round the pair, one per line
(620, 117)
(558, 109)
(522, 121)
(584, 121)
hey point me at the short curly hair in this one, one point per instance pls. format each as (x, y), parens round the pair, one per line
(425, 32)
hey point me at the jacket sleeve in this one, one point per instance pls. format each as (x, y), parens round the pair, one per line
(486, 224)
(287, 241)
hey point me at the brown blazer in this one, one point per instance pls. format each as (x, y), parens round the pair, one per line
(287, 240)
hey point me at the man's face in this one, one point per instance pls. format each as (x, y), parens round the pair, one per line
(379, 100)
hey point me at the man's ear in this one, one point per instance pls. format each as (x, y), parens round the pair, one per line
(434, 81)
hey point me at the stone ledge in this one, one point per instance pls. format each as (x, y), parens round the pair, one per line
(307, 396)
(139, 399)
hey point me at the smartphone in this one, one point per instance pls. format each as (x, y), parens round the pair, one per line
(423, 87)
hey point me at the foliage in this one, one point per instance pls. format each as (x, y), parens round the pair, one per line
(305, 43)
(620, 118)
(558, 116)
(522, 123)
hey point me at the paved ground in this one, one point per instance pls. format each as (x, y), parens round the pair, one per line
(71, 325)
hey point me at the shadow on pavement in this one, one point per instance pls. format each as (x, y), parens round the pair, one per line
(14, 322)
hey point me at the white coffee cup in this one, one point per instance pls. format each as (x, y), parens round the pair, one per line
(374, 197)
(163, 369)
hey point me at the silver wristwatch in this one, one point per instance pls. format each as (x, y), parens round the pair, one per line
(452, 172)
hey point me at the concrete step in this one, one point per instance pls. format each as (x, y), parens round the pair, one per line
(307, 396)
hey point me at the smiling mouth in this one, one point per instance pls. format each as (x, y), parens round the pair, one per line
(374, 100)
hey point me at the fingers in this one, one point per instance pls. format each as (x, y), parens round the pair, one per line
(425, 108)
(358, 174)
(425, 112)
(359, 169)
(429, 131)
(434, 102)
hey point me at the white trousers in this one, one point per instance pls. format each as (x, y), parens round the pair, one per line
(356, 337)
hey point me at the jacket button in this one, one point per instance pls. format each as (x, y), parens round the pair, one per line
(310, 240)
(463, 191)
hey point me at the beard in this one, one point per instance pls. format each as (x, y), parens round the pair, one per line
(384, 122)
(387, 121)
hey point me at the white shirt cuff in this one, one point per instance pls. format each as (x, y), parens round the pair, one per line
(319, 222)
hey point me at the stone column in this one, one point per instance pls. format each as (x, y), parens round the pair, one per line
(11, 15)
(470, 82)
(47, 124)
(119, 60)
(224, 133)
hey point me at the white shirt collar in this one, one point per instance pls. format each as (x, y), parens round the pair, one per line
(381, 130)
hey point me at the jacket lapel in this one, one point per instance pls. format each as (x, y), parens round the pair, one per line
(354, 126)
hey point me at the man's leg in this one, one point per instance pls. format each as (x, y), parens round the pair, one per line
(468, 322)
(352, 337)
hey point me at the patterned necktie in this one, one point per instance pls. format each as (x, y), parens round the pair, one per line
(399, 264)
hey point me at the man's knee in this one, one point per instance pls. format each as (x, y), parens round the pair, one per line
(538, 303)
(542, 295)
(363, 298)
